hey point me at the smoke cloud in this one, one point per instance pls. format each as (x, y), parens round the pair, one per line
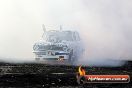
(104, 25)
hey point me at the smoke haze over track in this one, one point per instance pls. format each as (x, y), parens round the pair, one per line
(105, 26)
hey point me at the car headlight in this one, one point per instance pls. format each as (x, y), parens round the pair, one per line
(68, 49)
(35, 47)
(65, 48)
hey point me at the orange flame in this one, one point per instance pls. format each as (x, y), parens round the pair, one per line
(81, 71)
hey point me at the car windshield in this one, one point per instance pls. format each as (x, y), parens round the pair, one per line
(57, 36)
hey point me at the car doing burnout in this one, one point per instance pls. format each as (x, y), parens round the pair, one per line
(58, 45)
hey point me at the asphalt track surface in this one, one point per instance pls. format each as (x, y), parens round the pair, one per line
(39, 75)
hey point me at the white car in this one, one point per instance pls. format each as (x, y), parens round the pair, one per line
(58, 46)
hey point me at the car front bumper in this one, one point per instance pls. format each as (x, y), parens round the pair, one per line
(56, 57)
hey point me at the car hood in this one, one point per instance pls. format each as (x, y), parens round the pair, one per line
(63, 43)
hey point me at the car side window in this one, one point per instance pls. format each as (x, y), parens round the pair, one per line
(77, 36)
(74, 36)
